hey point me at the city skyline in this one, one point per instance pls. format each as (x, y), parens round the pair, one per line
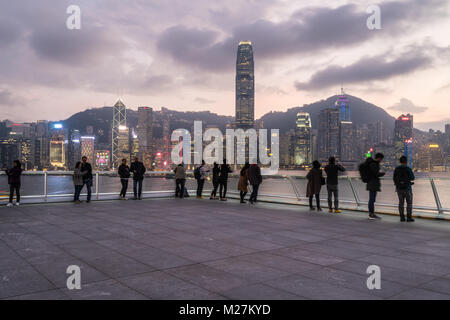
(51, 73)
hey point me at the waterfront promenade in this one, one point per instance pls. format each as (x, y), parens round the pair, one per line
(202, 249)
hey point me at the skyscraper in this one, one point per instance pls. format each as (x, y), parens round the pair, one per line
(403, 137)
(328, 133)
(145, 135)
(245, 86)
(87, 148)
(119, 121)
(342, 104)
(303, 141)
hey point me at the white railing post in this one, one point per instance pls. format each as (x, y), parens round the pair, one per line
(355, 194)
(436, 196)
(96, 185)
(45, 186)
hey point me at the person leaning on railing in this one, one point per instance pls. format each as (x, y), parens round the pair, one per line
(403, 177)
(14, 182)
(78, 181)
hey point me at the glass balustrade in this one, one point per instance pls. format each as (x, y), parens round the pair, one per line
(429, 194)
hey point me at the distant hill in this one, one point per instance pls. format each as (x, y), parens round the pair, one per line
(101, 118)
(361, 112)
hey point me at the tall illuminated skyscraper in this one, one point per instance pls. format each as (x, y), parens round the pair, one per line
(245, 86)
(144, 135)
(403, 137)
(303, 149)
(119, 121)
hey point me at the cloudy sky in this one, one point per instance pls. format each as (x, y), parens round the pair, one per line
(181, 54)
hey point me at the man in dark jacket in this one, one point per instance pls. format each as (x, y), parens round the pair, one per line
(255, 179)
(403, 177)
(332, 170)
(124, 173)
(14, 182)
(87, 178)
(223, 180)
(374, 182)
(138, 170)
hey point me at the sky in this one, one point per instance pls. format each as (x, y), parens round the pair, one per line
(181, 55)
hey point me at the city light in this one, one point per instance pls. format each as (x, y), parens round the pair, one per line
(57, 126)
(122, 128)
(433, 146)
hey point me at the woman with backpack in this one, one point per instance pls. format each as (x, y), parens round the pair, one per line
(14, 182)
(315, 182)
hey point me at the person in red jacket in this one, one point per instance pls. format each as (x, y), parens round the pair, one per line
(14, 182)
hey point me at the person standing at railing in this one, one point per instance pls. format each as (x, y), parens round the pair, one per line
(180, 180)
(77, 182)
(87, 177)
(255, 179)
(124, 173)
(223, 180)
(215, 181)
(315, 182)
(200, 176)
(138, 170)
(371, 174)
(243, 182)
(332, 170)
(14, 182)
(403, 177)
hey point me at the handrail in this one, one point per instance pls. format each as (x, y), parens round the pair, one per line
(170, 175)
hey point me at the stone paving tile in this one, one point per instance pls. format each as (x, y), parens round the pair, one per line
(22, 280)
(440, 285)
(55, 294)
(420, 294)
(104, 290)
(259, 292)
(252, 271)
(160, 285)
(159, 259)
(308, 256)
(404, 277)
(355, 281)
(407, 265)
(314, 289)
(208, 278)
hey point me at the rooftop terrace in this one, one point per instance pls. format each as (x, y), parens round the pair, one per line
(202, 249)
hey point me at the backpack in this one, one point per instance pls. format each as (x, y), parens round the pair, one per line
(197, 174)
(364, 171)
(402, 179)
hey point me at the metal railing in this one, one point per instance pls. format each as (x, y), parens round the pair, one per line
(58, 186)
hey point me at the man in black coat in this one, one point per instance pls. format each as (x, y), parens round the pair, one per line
(332, 170)
(138, 170)
(87, 178)
(374, 182)
(124, 173)
(223, 180)
(255, 179)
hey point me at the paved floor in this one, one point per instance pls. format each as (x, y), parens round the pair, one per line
(202, 249)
